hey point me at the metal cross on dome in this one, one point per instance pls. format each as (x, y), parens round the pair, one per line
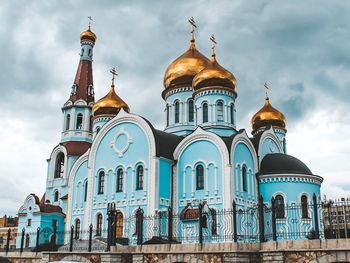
(114, 73)
(267, 88)
(213, 40)
(90, 20)
(194, 26)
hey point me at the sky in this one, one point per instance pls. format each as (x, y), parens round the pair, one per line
(301, 48)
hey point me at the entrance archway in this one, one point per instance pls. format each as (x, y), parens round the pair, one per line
(119, 226)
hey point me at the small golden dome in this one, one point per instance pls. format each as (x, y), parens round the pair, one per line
(268, 115)
(181, 71)
(214, 75)
(88, 35)
(109, 105)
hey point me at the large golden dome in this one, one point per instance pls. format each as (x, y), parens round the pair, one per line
(268, 115)
(109, 105)
(214, 75)
(88, 35)
(181, 71)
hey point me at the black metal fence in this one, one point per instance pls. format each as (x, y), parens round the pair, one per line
(262, 222)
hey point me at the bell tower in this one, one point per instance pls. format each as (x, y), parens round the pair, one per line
(77, 121)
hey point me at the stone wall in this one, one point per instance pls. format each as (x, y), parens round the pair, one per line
(311, 251)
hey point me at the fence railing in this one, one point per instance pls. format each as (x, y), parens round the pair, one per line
(262, 222)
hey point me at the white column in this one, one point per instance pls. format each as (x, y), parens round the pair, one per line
(114, 184)
(207, 181)
(210, 113)
(72, 119)
(145, 176)
(248, 182)
(216, 190)
(185, 112)
(184, 183)
(86, 119)
(192, 174)
(124, 182)
(236, 178)
(132, 182)
(181, 110)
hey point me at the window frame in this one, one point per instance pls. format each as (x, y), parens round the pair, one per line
(120, 178)
(101, 183)
(199, 177)
(139, 183)
(177, 112)
(205, 112)
(190, 116)
(220, 111)
(80, 120)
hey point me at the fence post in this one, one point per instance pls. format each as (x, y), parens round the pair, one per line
(54, 236)
(8, 240)
(71, 238)
(37, 239)
(90, 238)
(139, 225)
(261, 218)
(234, 217)
(200, 207)
(273, 219)
(330, 232)
(317, 230)
(22, 240)
(170, 224)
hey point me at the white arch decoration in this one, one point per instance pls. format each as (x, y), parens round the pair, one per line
(198, 135)
(153, 177)
(58, 149)
(269, 134)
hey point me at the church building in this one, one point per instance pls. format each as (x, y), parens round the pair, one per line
(110, 154)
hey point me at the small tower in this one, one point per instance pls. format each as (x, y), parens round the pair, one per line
(215, 95)
(179, 110)
(107, 107)
(268, 116)
(77, 124)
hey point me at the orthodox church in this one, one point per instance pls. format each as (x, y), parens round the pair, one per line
(109, 154)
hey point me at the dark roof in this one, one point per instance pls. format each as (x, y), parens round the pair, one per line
(65, 197)
(76, 148)
(165, 142)
(46, 208)
(280, 163)
(228, 140)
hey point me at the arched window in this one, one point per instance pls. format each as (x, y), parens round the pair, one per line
(177, 111)
(77, 229)
(79, 124)
(167, 114)
(304, 207)
(232, 114)
(220, 111)
(205, 112)
(244, 179)
(59, 165)
(99, 225)
(139, 179)
(101, 182)
(67, 122)
(55, 198)
(120, 180)
(190, 111)
(119, 225)
(200, 177)
(85, 191)
(279, 206)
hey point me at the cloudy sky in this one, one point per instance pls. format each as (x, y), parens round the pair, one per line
(300, 47)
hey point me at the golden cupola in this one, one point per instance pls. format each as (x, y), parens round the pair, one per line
(267, 116)
(109, 105)
(214, 75)
(88, 35)
(182, 70)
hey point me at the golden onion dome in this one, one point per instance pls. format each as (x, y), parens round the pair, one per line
(88, 35)
(182, 70)
(268, 115)
(109, 105)
(214, 75)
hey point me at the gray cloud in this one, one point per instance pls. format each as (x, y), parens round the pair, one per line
(300, 48)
